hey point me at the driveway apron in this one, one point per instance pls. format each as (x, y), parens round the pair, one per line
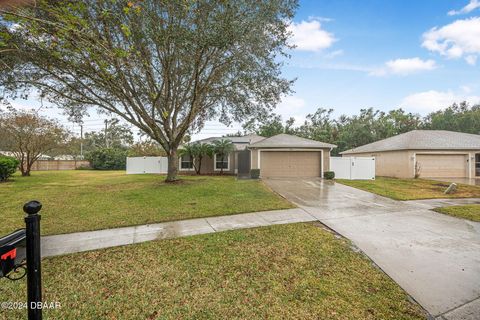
(434, 257)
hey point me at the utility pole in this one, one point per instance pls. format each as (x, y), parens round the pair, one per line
(81, 141)
(106, 127)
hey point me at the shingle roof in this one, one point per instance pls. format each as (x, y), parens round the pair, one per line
(423, 139)
(240, 143)
(250, 138)
(288, 141)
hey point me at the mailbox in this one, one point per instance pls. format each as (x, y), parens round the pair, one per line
(12, 251)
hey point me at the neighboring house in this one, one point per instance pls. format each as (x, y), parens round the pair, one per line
(282, 155)
(427, 153)
(12, 154)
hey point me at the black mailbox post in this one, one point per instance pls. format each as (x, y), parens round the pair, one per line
(25, 244)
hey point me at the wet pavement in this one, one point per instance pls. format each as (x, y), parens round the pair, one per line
(434, 257)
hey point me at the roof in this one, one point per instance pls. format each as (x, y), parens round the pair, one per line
(423, 139)
(288, 141)
(240, 143)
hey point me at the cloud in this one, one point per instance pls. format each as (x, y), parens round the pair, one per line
(456, 40)
(292, 106)
(472, 5)
(404, 67)
(433, 100)
(309, 36)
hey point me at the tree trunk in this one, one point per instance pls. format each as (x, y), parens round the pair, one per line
(221, 169)
(172, 165)
(199, 165)
(26, 172)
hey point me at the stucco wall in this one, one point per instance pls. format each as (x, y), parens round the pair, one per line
(401, 164)
(208, 166)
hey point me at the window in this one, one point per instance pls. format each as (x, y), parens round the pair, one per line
(477, 164)
(219, 164)
(186, 163)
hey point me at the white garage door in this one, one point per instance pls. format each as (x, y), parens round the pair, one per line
(443, 165)
(290, 164)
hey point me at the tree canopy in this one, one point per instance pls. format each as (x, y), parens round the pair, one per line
(369, 125)
(165, 66)
(28, 135)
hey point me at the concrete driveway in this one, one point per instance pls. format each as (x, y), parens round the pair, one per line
(434, 257)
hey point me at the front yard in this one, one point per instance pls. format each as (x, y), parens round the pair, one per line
(412, 189)
(90, 200)
(470, 212)
(281, 272)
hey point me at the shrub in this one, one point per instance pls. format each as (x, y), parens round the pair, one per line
(8, 166)
(108, 159)
(329, 175)
(254, 173)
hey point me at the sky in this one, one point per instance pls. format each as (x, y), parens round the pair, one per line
(418, 55)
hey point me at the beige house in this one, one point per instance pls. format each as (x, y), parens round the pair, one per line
(285, 155)
(426, 153)
(282, 155)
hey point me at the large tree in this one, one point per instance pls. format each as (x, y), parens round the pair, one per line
(165, 66)
(28, 135)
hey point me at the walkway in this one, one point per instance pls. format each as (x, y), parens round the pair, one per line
(92, 240)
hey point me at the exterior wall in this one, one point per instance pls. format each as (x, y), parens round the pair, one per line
(401, 164)
(208, 166)
(389, 163)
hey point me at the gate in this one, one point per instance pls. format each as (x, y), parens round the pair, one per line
(353, 168)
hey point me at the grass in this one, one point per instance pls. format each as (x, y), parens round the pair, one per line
(470, 212)
(295, 271)
(90, 200)
(412, 189)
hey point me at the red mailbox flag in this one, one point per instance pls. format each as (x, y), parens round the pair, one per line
(12, 254)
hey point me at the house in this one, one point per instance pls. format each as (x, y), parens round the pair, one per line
(13, 154)
(425, 153)
(282, 155)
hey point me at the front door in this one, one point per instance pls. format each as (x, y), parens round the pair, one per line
(244, 162)
(477, 164)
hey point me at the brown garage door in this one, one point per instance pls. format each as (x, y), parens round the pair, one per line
(290, 164)
(442, 165)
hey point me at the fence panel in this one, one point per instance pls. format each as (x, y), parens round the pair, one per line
(141, 165)
(353, 168)
(47, 165)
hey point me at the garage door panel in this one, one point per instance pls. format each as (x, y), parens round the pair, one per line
(290, 164)
(442, 165)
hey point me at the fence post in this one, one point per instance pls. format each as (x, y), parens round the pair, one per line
(34, 274)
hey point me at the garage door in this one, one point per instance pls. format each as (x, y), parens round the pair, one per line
(442, 165)
(290, 164)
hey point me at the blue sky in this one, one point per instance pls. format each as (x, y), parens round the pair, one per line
(420, 55)
(383, 54)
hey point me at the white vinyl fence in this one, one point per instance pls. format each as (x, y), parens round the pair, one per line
(353, 168)
(141, 165)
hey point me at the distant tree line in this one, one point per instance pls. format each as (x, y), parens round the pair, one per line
(369, 125)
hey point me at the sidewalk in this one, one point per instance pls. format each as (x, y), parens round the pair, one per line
(91, 240)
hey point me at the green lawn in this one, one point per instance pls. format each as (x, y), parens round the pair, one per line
(295, 271)
(470, 212)
(411, 189)
(89, 200)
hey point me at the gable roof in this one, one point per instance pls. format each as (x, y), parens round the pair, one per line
(247, 139)
(240, 143)
(423, 139)
(288, 141)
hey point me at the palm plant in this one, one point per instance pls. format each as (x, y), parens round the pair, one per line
(202, 150)
(222, 148)
(189, 150)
